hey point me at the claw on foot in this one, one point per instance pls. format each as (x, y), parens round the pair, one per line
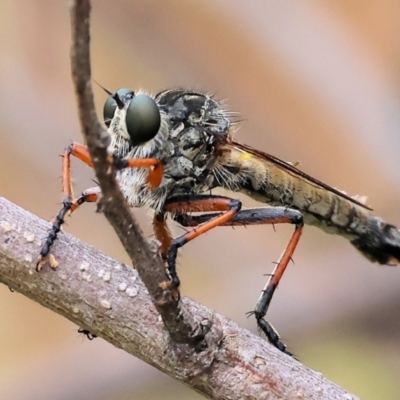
(49, 258)
(169, 285)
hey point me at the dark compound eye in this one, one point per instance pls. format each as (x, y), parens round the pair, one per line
(142, 119)
(111, 104)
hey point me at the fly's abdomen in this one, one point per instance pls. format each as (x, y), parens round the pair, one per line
(320, 207)
(375, 239)
(327, 209)
(380, 243)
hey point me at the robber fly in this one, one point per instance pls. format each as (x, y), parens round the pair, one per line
(175, 147)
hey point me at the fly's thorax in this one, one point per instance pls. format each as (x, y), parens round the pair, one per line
(195, 109)
(187, 158)
(198, 126)
(192, 158)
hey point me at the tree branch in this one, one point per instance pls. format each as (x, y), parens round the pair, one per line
(108, 298)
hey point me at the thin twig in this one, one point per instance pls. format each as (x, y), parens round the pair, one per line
(181, 325)
(108, 299)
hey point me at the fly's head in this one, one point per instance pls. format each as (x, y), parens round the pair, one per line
(135, 123)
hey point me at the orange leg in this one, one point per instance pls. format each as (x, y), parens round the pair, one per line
(81, 152)
(184, 204)
(162, 234)
(91, 195)
(270, 215)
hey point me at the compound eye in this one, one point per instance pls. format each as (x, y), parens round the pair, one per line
(142, 119)
(111, 104)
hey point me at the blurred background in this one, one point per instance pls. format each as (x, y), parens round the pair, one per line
(314, 82)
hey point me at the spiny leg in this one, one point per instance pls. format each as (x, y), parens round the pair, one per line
(90, 195)
(274, 215)
(196, 203)
(80, 151)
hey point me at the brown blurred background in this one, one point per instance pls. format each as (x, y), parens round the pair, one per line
(315, 82)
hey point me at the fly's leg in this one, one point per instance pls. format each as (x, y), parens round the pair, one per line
(80, 151)
(162, 233)
(274, 215)
(91, 195)
(186, 204)
(87, 333)
(266, 295)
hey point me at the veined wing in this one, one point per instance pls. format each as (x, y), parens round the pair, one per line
(294, 171)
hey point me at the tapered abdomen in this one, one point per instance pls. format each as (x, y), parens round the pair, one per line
(327, 209)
